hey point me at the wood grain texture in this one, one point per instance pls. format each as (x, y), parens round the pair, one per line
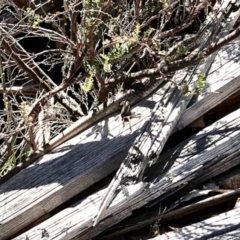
(71, 168)
(148, 145)
(68, 170)
(77, 164)
(220, 82)
(219, 226)
(233, 235)
(192, 162)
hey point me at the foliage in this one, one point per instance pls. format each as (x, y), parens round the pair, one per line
(200, 83)
(33, 19)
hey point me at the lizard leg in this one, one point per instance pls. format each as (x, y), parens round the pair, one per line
(127, 119)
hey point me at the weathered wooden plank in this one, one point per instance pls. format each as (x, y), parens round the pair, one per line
(215, 96)
(151, 217)
(219, 83)
(69, 169)
(225, 55)
(77, 174)
(162, 120)
(85, 167)
(222, 76)
(80, 164)
(149, 144)
(233, 235)
(193, 159)
(218, 225)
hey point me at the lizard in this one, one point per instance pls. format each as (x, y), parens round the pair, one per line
(126, 113)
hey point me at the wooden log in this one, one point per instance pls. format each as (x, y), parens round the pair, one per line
(215, 227)
(150, 218)
(201, 157)
(233, 235)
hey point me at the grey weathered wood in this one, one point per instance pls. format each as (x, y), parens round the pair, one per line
(199, 157)
(158, 126)
(225, 86)
(219, 83)
(215, 226)
(233, 235)
(81, 166)
(226, 54)
(151, 217)
(149, 144)
(68, 170)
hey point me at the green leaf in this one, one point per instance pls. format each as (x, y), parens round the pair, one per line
(105, 57)
(88, 84)
(201, 80)
(107, 66)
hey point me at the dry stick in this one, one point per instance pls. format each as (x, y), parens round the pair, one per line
(158, 188)
(8, 142)
(20, 90)
(91, 39)
(37, 106)
(46, 82)
(147, 73)
(180, 64)
(41, 77)
(51, 34)
(187, 23)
